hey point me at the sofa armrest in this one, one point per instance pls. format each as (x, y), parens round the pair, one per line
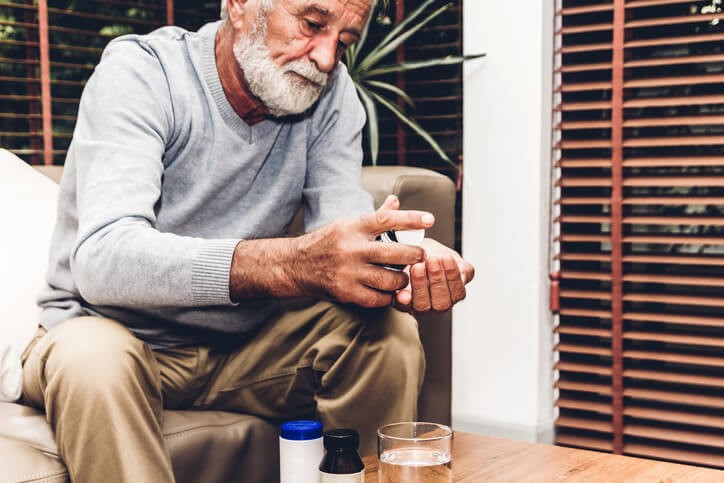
(426, 190)
(417, 189)
(52, 172)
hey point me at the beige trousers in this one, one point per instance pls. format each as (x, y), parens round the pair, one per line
(103, 390)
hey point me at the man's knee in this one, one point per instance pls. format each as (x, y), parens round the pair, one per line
(397, 337)
(400, 328)
(377, 378)
(391, 342)
(90, 353)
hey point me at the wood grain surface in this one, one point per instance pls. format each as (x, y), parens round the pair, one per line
(484, 458)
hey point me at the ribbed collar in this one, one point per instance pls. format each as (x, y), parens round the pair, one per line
(208, 67)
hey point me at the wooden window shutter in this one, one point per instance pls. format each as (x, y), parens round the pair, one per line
(49, 48)
(639, 228)
(22, 95)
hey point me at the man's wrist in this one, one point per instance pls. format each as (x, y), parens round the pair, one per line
(265, 268)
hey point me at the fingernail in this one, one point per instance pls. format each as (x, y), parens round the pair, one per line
(428, 219)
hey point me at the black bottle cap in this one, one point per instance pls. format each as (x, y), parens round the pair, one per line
(341, 439)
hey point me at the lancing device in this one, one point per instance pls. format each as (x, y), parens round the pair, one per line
(407, 237)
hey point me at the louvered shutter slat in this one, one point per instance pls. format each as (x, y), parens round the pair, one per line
(675, 435)
(703, 457)
(584, 368)
(680, 260)
(676, 377)
(674, 397)
(684, 39)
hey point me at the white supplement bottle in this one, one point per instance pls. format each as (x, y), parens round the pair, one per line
(407, 237)
(301, 449)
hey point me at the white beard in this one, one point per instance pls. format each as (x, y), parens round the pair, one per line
(279, 87)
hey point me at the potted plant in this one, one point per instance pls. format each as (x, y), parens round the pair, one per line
(366, 67)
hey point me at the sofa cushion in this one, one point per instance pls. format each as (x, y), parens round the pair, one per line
(208, 446)
(28, 203)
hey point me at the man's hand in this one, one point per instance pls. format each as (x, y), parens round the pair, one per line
(342, 261)
(438, 282)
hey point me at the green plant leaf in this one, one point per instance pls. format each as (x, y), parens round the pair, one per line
(354, 49)
(372, 121)
(392, 88)
(405, 22)
(350, 58)
(379, 53)
(422, 64)
(413, 125)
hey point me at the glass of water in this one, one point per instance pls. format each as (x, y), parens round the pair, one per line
(415, 452)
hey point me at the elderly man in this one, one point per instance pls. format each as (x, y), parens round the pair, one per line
(171, 282)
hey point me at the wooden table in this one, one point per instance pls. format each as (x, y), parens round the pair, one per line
(484, 458)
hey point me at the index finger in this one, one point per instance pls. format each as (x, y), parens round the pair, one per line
(385, 219)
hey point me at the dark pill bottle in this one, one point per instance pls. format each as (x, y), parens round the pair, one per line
(341, 462)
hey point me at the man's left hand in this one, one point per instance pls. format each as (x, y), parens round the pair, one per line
(437, 283)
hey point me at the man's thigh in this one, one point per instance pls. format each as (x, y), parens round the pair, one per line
(85, 342)
(280, 369)
(94, 350)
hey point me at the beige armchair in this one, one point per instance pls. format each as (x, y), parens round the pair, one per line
(214, 446)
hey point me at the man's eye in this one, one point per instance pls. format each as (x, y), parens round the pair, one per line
(341, 46)
(312, 26)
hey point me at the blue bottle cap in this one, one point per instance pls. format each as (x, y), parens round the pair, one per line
(301, 430)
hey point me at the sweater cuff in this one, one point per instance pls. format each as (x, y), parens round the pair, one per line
(210, 273)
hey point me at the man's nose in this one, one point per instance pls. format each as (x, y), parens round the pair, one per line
(324, 52)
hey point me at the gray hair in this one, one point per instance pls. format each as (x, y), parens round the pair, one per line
(266, 5)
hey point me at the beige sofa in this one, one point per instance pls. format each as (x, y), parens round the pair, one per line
(208, 446)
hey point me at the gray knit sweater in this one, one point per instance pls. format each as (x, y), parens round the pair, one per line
(163, 178)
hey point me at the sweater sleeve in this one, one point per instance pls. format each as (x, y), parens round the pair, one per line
(333, 183)
(119, 257)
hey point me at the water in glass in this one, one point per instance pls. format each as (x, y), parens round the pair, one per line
(407, 465)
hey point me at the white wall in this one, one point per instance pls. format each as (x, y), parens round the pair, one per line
(502, 374)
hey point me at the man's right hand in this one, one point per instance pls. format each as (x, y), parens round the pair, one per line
(342, 261)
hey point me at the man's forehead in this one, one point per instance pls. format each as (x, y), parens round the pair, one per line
(336, 4)
(335, 9)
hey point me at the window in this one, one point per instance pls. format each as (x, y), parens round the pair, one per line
(639, 283)
(48, 50)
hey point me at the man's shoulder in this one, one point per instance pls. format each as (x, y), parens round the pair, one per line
(162, 41)
(167, 33)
